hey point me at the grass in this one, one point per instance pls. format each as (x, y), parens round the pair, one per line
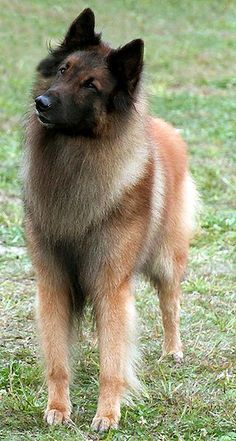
(190, 54)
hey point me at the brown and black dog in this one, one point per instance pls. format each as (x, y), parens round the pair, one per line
(107, 195)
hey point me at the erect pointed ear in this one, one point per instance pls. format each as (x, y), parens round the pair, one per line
(81, 32)
(126, 63)
(80, 35)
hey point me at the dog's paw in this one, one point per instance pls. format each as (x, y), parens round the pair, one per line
(104, 423)
(177, 356)
(54, 416)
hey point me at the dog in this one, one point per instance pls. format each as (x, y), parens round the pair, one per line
(107, 195)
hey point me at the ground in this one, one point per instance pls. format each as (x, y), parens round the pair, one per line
(191, 82)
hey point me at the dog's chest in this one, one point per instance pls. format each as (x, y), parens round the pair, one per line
(67, 201)
(67, 194)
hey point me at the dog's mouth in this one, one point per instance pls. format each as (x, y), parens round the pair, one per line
(43, 120)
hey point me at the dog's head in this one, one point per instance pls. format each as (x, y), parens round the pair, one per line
(88, 81)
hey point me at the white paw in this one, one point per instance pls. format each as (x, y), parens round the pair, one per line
(102, 424)
(54, 416)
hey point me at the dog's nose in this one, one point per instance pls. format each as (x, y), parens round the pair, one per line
(42, 103)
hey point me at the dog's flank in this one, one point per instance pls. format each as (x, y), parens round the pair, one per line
(107, 195)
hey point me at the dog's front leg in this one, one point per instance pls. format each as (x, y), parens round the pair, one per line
(115, 317)
(53, 311)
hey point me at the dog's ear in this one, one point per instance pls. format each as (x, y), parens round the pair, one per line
(79, 36)
(81, 32)
(126, 63)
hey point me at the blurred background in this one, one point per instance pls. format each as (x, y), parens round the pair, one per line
(190, 78)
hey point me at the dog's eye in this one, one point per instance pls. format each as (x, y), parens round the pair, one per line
(89, 84)
(62, 70)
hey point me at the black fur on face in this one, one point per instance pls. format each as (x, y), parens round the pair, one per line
(80, 36)
(78, 99)
(89, 85)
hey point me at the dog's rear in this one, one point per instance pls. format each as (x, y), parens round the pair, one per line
(107, 194)
(170, 235)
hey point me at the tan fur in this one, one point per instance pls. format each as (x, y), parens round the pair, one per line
(114, 346)
(106, 208)
(54, 328)
(159, 235)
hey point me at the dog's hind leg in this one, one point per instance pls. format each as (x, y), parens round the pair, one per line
(166, 273)
(115, 317)
(54, 322)
(169, 297)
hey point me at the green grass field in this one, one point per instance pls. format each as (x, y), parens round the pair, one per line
(190, 78)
